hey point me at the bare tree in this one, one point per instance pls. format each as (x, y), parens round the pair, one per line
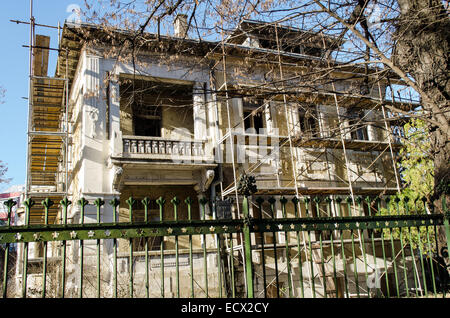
(2, 94)
(3, 170)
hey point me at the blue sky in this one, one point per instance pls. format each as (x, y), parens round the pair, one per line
(14, 75)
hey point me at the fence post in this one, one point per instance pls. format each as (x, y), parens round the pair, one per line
(82, 202)
(203, 202)
(98, 203)
(115, 203)
(47, 203)
(248, 249)
(28, 204)
(446, 222)
(247, 187)
(9, 204)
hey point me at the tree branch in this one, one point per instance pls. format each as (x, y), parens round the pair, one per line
(441, 120)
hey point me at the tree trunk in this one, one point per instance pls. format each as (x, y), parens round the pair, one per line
(422, 50)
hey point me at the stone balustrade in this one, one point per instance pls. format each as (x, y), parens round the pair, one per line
(158, 146)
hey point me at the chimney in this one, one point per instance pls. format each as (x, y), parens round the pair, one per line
(180, 26)
(40, 60)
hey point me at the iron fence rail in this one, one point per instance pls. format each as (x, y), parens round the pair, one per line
(356, 250)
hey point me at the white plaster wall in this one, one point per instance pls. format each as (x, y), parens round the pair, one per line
(94, 146)
(153, 67)
(96, 173)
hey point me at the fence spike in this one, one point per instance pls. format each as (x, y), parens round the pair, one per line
(175, 201)
(130, 201)
(161, 201)
(29, 203)
(114, 202)
(65, 202)
(83, 202)
(10, 203)
(99, 202)
(203, 201)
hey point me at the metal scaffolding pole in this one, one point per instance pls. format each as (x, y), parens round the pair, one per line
(293, 159)
(230, 133)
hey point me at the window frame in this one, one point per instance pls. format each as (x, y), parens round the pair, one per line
(361, 131)
(249, 115)
(137, 119)
(306, 117)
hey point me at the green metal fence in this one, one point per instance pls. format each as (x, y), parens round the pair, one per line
(278, 247)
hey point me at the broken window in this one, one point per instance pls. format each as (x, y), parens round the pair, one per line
(147, 120)
(358, 129)
(309, 122)
(289, 42)
(253, 115)
(155, 108)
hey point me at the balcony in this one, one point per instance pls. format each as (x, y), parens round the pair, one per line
(160, 149)
(142, 160)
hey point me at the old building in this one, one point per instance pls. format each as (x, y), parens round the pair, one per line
(186, 118)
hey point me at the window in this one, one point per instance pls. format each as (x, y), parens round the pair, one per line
(309, 122)
(253, 115)
(358, 129)
(398, 133)
(154, 243)
(367, 169)
(289, 43)
(147, 120)
(148, 107)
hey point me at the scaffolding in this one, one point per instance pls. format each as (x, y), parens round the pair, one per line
(48, 134)
(296, 138)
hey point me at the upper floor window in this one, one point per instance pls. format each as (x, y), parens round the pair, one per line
(309, 122)
(146, 120)
(398, 132)
(358, 128)
(253, 116)
(155, 108)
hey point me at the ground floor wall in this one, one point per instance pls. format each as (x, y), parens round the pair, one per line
(341, 271)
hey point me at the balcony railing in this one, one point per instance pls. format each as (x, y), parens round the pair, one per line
(162, 148)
